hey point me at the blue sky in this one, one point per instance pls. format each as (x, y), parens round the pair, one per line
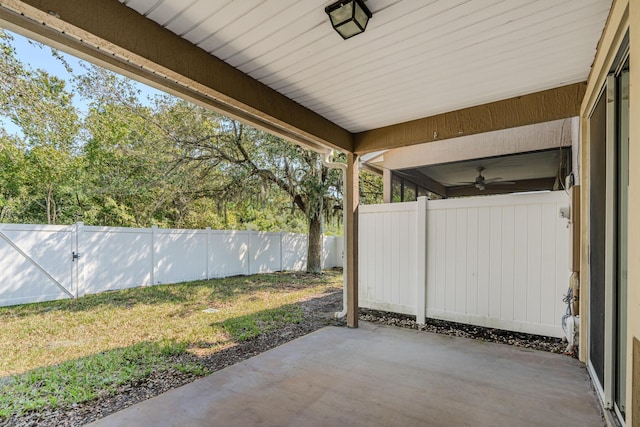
(37, 57)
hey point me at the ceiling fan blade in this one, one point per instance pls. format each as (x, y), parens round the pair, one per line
(501, 183)
(490, 180)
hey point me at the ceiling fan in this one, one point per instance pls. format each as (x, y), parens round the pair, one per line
(481, 182)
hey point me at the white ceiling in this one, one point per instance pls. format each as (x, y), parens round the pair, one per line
(417, 58)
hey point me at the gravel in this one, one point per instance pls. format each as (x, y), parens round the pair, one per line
(318, 311)
(517, 339)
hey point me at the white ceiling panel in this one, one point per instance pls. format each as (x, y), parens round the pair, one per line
(416, 58)
(195, 15)
(143, 6)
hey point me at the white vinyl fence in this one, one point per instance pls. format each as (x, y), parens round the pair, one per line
(495, 261)
(39, 262)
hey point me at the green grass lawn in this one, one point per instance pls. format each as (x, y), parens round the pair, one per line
(63, 352)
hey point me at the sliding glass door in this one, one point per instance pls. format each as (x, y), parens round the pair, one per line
(608, 216)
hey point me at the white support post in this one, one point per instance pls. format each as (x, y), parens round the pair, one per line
(79, 229)
(421, 265)
(154, 228)
(249, 254)
(208, 237)
(281, 251)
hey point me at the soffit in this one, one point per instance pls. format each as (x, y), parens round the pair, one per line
(416, 58)
(518, 140)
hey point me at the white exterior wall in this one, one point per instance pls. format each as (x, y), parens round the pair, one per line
(36, 260)
(495, 261)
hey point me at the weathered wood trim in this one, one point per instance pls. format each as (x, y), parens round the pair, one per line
(553, 104)
(608, 46)
(116, 36)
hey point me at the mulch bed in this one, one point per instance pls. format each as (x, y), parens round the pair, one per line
(517, 339)
(318, 313)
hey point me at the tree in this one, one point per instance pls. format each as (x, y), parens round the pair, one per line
(41, 106)
(13, 191)
(135, 175)
(158, 161)
(213, 157)
(251, 159)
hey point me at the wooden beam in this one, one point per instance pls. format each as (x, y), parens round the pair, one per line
(352, 201)
(113, 35)
(524, 185)
(554, 104)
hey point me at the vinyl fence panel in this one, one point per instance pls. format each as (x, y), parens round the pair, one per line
(265, 253)
(294, 251)
(229, 253)
(35, 263)
(387, 257)
(332, 251)
(114, 258)
(495, 261)
(180, 255)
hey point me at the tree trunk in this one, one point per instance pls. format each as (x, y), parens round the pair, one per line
(314, 249)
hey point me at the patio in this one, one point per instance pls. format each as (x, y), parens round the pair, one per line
(380, 376)
(424, 72)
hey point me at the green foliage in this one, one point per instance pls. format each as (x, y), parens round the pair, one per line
(63, 352)
(83, 379)
(42, 107)
(250, 326)
(129, 161)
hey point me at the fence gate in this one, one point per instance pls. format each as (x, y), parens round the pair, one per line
(37, 263)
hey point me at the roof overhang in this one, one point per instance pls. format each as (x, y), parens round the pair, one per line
(114, 36)
(292, 95)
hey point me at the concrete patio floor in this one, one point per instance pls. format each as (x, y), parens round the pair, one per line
(380, 376)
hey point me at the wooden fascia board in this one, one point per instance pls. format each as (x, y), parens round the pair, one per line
(553, 104)
(610, 41)
(107, 32)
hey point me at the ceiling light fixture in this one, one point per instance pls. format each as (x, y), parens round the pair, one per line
(348, 17)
